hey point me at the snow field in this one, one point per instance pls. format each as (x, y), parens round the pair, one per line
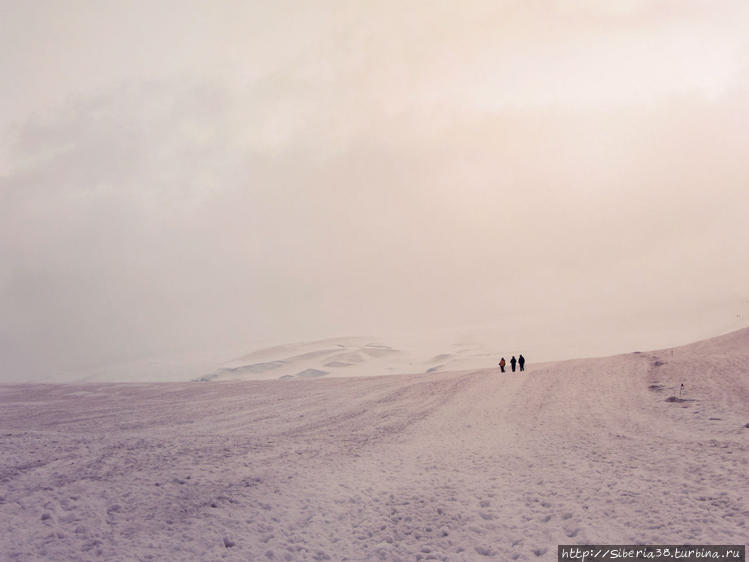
(470, 465)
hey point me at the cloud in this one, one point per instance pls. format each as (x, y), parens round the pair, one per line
(377, 174)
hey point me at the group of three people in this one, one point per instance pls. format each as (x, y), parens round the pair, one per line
(520, 361)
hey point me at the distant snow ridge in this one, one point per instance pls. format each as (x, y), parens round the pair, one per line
(306, 374)
(346, 357)
(467, 465)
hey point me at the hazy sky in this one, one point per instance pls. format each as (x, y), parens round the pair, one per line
(571, 177)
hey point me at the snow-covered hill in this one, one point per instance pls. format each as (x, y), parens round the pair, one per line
(354, 357)
(351, 356)
(467, 465)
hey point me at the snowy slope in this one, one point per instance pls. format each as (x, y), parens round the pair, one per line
(468, 465)
(355, 357)
(332, 357)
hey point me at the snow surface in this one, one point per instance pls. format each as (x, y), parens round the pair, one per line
(332, 357)
(468, 465)
(353, 357)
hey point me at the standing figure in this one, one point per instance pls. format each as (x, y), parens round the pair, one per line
(502, 364)
(512, 363)
(521, 362)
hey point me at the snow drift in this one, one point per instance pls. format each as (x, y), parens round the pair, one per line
(353, 357)
(466, 465)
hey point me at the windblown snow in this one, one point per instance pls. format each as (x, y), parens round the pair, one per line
(466, 465)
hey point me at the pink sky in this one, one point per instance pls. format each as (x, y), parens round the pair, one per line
(182, 175)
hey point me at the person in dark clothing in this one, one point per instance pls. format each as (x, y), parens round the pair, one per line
(521, 362)
(512, 363)
(502, 364)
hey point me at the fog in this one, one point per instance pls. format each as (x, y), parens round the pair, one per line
(183, 177)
